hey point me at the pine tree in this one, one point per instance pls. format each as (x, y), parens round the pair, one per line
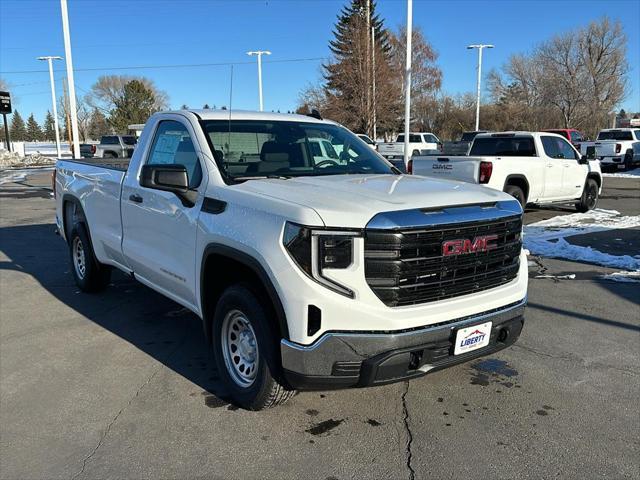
(34, 132)
(206, 106)
(349, 75)
(137, 104)
(49, 129)
(18, 131)
(98, 125)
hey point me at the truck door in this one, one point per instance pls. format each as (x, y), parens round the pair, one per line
(159, 232)
(553, 167)
(574, 174)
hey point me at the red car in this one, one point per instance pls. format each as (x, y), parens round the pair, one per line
(571, 134)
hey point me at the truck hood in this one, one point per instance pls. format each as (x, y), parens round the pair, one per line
(350, 201)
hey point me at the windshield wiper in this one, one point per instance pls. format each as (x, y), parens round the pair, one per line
(261, 177)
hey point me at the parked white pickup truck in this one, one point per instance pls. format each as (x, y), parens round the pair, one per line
(534, 167)
(616, 147)
(307, 271)
(419, 143)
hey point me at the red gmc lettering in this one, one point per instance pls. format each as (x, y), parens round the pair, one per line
(464, 245)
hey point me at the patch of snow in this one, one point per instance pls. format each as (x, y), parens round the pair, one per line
(570, 276)
(547, 237)
(629, 174)
(624, 277)
(13, 159)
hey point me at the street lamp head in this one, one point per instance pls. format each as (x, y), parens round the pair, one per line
(259, 52)
(50, 57)
(469, 47)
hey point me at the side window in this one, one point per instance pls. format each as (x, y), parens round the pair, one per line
(430, 139)
(172, 145)
(576, 137)
(110, 140)
(556, 147)
(637, 133)
(550, 146)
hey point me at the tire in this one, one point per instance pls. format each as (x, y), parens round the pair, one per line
(90, 275)
(517, 193)
(109, 155)
(246, 350)
(589, 199)
(628, 161)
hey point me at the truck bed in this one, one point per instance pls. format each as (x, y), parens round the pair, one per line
(111, 163)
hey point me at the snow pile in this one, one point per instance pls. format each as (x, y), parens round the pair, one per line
(547, 238)
(13, 159)
(12, 176)
(625, 277)
(629, 174)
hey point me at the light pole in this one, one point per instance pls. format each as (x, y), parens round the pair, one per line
(479, 47)
(53, 100)
(407, 85)
(72, 87)
(259, 53)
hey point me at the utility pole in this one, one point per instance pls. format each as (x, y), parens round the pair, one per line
(407, 84)
(373, 81)
(72, 88)
(66, 111)
(480, 47)
(50, 59)
(367, 64)
(259, 54)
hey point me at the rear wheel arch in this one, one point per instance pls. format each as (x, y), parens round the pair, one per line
(72, 214)
(223, 266)
(519, 181)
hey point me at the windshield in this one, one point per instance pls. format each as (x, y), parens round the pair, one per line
(129, 140)
(615, 135)
(258, 148)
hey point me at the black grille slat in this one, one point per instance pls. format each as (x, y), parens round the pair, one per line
(406, 267)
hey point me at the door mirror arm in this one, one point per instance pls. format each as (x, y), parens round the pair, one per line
(583, 160)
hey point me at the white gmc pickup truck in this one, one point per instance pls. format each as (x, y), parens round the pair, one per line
(534, 167)
(308, 272)
(616, 147)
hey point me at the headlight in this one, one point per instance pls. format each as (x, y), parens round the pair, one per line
(316, 250)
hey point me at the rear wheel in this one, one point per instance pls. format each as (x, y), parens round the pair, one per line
(246, 350)
(89, 274)
(517, 193)
(589, 198)
(628, 161)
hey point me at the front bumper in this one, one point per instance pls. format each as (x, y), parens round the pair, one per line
(344, 359)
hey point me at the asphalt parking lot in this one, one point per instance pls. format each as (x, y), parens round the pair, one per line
(121, 384)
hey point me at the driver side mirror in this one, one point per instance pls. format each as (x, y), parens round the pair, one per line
(169, 178)
(583, 160)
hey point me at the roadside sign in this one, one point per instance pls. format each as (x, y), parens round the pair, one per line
(5, 103)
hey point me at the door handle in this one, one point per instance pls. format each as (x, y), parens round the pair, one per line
(135, 198)
(549, 165)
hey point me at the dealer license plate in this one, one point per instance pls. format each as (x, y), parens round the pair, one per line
(472, 338)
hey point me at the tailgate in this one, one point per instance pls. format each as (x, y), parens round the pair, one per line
(464, 169)
(606, 148)
(390, 149)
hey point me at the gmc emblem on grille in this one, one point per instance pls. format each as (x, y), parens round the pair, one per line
(461, 246)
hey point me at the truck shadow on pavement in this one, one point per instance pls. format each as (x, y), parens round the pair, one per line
(161, 328)
(154, 324)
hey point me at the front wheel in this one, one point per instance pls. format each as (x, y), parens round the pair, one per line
(246, 350)
(628, 161)
(589, 198)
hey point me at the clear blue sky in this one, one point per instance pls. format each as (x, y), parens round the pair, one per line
(118, 33)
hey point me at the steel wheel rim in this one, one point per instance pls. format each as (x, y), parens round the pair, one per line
(79, 259)
(240, 348)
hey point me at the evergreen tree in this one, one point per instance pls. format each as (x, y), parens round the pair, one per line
(18, 131)
(49, 129)
(136, 105)
(34, 132)
(98, 125)
(206, 106)
(349, 76)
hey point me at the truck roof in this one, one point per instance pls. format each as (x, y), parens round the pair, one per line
(210, 114)
(625, 129)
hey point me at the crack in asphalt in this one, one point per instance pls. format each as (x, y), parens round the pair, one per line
(115, 418)
(405, 412)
